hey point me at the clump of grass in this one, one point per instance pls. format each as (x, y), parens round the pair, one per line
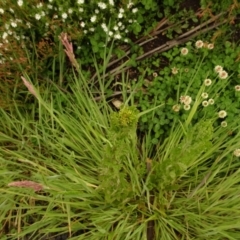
(74, 166)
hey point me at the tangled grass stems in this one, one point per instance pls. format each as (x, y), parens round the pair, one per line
(95, 177)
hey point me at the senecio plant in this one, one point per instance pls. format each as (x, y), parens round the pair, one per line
(121, 162)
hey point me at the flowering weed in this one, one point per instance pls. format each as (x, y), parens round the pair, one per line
(207, 69)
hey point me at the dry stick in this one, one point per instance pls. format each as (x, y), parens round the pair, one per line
(153, 37)
(155, 32)
(170, 43)
(173, 43)
(163, 22)
(203, 24)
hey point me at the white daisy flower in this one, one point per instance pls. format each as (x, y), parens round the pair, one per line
(222, 114)
(199, 44)
(184, 51)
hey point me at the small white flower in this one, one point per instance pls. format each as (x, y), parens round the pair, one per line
(120, 15)
(11, 10)
(176, 108)
(121, 10)
(211, 101)
(93, 18)
(9, 32)
(85, 31)
(82, 24)
(134, 10)
(28, 24)
(4, 36)
(174, 70)
(237, 152)
(218, 68)
(115, 28)
(120, 24)
(49, 6)
(37, 16)
(204, 95)
(80, 1)
(91, 29)
(237, 88)
(104, 27)
(186, 107)
(210, 46)
(102, 5)
(96, 11)
(130, 4)
(199, 44)
(126, 40)
(111, 2)
(223, 74)
(80, 9)
(110, 33)
(224, 124)
(222, 114)
(1, 11)
(184, 51)
(43, 13)
(70, 11)
(186, 100)
(64, 15)
(19, 20)
(20, 3)
(130, 20)
(207, 82)
(117, 36)
(205, 103)
(39, 5)
(13, 24)
(155, 74)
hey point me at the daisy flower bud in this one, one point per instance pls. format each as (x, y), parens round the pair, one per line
(199, 44)
(186, 107)
(205, 103)
(237, 88)
(211, 101)
(204, 95)
(207, 82)
(223, 74)
(224, 124)
(176, 108)
(237, 152)
(184, 51)
(222, 114)
(218, 68)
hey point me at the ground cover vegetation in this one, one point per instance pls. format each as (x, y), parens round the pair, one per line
(112, 128)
